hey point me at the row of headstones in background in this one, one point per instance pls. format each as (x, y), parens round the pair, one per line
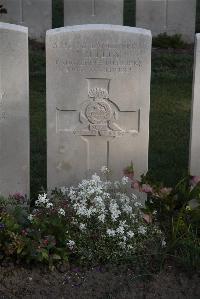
(98, 98)
(170, 16)
(35, 14)
(159, 16)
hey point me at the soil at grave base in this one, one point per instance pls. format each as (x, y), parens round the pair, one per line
(104, 283)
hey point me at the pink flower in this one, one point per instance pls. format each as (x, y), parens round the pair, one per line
(135, 185)
(146, 188)
(45, 242)
(147, 218)
(165, 191)
(18, 196)
(24, 232)
(195, 180)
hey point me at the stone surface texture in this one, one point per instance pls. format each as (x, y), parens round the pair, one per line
(35, 14)
(77, 12)
(170, 16)
(14, 110)
(195, 117)
(98, 101)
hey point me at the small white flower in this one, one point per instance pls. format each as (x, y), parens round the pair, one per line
(82, 226)
(114, 209)
(49, 205)
(120, 230)
(125, 180)
(117, 184)
(127, 209)
(137, 204)
(71, 244)
(122, 244)
(96, 178)
(110, 232)
(130, 234)
(102, 217)
(61, 212)
(42, 199)
(134, 196)
(105, 170)
(30, 217)
(130, 247)
(163, 243)
(124, 238)
(64, 190)
(142, 230)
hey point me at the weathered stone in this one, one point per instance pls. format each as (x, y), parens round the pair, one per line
(35, 14)
(77, 12)
(98, 98)
(195, 117)
(170, 16)
(14, 110)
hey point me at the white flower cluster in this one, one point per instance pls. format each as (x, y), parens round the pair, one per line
(115, 213)
(71, 244)
(30, 217)
(42, 200)
(105, 170)
(89, 199)
(61, 212)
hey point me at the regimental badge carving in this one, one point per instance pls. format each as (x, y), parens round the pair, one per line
(98, 114)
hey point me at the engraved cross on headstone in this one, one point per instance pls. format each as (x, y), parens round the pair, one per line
(21, 11)
(166, 15)
(93, 7)
(96, 123)
(2, 94)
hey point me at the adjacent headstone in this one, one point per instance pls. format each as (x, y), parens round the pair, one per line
(98, 101)
(170, 16)
(35, 14)
(14, 110)
(78, 12)
(195, 118)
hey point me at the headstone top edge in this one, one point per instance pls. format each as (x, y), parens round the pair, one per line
(95, 27)
(13, 27)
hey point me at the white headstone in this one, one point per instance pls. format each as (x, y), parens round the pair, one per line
(14, 110)
(195, 117)
(98, 101)
(77, 12)
(35, 14)
(170, 16)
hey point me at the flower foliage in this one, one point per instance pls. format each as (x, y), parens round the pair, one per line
(107, 224)
(177, 212)
(96, 222)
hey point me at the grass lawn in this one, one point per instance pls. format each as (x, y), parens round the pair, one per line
(171, 91)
